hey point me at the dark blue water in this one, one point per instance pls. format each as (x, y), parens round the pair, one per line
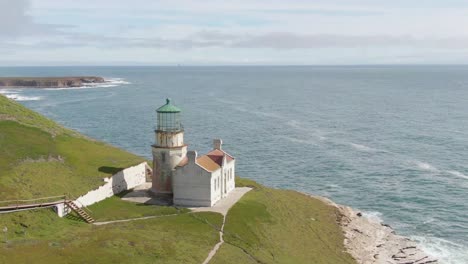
(391, 141)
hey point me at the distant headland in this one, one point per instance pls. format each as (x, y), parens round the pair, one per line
(48, 82)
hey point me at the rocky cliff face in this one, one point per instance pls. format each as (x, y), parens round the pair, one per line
(52, 82)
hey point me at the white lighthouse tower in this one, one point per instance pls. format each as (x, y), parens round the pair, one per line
(169, 148)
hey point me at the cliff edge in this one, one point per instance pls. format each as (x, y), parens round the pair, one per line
(49, 82)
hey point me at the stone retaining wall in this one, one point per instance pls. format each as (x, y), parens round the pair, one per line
(124, 180)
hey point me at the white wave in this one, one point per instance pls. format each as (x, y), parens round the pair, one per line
(458, 174)
(297, 140)
(116, 81)
(373, 216)
(362, 147)
(310, 132)
(108, 82)
(446, 251)
(426, 166)
(9, 91)
(294, 124)
(18, 97)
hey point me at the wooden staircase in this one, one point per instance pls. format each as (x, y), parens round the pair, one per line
(80, 211)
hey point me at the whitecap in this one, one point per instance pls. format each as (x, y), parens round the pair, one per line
(373, 216)
(362, 147)
(8, 91)
(294, 124)
(18, 97)
(297, 140)
(116, 81)
(458, 174)
(445, 251)
(425, 166)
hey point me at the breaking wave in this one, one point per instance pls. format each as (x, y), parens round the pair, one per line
(362, 147)
(428, 167)
(447, 252)
(458, 174)
(18, 97)
(425, 166)
(373, 216)
(108, 82)
(14, 94)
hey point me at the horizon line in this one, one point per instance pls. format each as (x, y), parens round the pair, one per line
(242, 65)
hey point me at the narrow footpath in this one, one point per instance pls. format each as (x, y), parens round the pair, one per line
(132, 219)
(218, 245)
(222, 207)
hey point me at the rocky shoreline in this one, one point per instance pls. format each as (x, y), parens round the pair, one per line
(49, 82)
(372, 242)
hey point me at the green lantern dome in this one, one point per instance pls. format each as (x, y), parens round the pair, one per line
(169, 119)
(168, 108)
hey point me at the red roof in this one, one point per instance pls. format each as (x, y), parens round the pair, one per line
(217, 156)
(212, 161)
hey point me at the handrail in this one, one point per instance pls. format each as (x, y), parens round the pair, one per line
(28, 200)
(76, 201)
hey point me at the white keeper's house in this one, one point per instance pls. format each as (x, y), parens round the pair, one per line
(192, 180)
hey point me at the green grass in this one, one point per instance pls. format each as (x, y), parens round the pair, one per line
(40, 158)
(41, 237)
(10, 110)
(114, 208)
(229, 254)
(280, 226)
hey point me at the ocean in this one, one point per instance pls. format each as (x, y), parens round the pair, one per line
(391, 141)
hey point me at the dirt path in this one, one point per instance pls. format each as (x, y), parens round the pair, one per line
(132, 219)
(222, 207)
(218, 245)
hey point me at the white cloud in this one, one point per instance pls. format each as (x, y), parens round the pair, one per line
(212, 31)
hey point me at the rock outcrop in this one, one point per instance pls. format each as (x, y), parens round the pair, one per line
(49, 82)
(372, 242)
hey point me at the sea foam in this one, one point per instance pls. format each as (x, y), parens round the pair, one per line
(108, 82)
(425, 166)
(458, 174)
(18, 97)
(362, 147)
(373, 216)
(447, 252)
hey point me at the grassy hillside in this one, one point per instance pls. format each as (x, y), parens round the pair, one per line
(41, 237)
(281, 226)
(40, 158)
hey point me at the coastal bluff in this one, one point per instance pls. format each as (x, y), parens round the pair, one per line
(48, 82)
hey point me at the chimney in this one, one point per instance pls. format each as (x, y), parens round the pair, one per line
(217, 143)
(192, 156)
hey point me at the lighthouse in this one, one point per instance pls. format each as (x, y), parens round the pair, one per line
(169, 148)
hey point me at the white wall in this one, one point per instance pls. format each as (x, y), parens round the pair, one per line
(124, 180)
(216, 186)
(191, 186)
(218, 181)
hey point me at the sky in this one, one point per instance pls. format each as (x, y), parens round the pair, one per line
(241, 32)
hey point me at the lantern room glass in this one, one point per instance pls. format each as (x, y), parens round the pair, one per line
(169, 122)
